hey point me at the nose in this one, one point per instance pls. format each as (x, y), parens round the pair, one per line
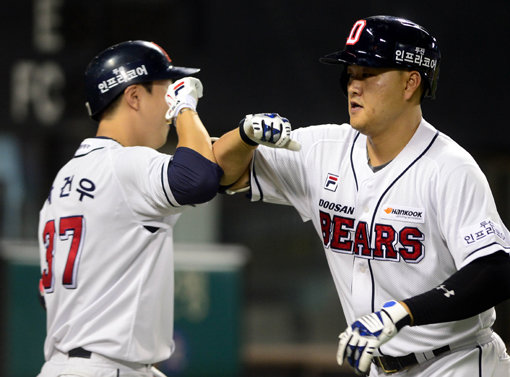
(353, 86)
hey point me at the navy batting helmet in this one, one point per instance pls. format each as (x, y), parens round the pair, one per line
(124, 64)
(390, 42)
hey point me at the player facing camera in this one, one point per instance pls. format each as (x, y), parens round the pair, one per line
(390, 42)
(417, 272)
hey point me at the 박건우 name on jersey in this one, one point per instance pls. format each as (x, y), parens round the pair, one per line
(73, 186)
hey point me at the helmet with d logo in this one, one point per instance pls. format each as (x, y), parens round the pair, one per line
(390, 42)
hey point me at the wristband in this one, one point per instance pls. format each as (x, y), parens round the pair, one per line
(245, 137)
(397, 313)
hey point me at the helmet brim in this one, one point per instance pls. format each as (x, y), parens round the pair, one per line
(333, 58)
(175, 73)
(354, 58)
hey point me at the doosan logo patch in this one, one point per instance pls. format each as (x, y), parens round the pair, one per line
(405, 214)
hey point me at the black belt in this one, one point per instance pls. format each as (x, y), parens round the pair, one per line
(79, 352)
(391, 364)
(84, 354)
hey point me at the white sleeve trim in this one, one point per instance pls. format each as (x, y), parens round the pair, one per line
(165, 184)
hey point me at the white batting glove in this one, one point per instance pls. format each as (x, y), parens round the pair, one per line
(268, 129)
(183, 93)
(359, 341)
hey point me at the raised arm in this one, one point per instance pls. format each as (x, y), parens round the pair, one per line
(234, 150)
(182, 98)
(193, 173)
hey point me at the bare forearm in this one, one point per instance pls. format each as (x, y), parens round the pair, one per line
(193, 134)
(233, 155)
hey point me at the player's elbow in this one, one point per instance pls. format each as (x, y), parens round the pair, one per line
(202, 189)
(193, 178)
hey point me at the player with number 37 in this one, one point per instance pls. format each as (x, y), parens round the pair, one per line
(106, 227)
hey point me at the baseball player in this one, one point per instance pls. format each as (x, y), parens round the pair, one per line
(106, 227)
(418, 252)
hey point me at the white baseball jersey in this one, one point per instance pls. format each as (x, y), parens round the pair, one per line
(106, 249)
(392, 234)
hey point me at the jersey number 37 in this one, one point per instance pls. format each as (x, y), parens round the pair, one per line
(68, 227)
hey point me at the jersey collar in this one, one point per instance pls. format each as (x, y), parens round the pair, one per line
(415, 148)
(95, 143)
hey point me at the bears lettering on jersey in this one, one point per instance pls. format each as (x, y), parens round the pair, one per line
(390, 243)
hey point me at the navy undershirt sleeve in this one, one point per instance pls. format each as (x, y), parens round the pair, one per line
(473, 289)
(193, 178)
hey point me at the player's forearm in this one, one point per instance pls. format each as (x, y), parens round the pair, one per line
(192, 134)
(473, 289)
(233, 155)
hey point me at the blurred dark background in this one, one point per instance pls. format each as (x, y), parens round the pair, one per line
(255, 56)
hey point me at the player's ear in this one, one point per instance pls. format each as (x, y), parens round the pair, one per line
(413, 84)
(132, 96)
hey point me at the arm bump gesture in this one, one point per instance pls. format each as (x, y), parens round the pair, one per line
(269, 129)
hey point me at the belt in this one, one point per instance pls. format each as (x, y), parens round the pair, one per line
(391, 364)
(79, 352)
(84, 354)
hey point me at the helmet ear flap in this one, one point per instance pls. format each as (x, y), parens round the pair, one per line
(428, 85)
(430, 92)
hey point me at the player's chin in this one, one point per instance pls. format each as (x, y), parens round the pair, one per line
(361, 127)
(355, 122)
